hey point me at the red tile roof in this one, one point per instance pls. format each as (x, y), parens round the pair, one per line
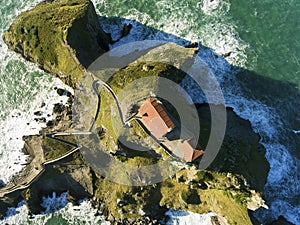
(155, 118)
(190, 154)
(158, 122)
(162, 113)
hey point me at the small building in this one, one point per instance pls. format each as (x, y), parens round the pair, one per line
(190, 153)
(159, 124)
(155, 118)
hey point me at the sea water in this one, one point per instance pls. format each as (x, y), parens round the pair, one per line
(261, 36)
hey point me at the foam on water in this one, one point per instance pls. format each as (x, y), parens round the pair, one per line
(283, 180)
(209, 7)
(24, 88)
(178, 217)
(186, 20)
(56, 207)
(20, 122)
(138, 32)
(220, 35)
(217, 32)
(10, 9)
(283, 183)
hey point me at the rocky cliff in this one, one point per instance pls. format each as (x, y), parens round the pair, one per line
(226, 188)
(63, 37)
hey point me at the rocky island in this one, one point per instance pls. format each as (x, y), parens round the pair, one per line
(64, 38)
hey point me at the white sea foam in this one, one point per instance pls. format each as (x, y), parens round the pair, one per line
(56, 207)
(223, 38)
(52, 204)
(19, 123)
(24, 88)
(283, 184)
(180, 23)
(210, 6)
(178, 217)
(283, 180)
(19, 101)
(226, 42)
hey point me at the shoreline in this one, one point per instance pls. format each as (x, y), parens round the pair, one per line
(55, 160)
(252, 122)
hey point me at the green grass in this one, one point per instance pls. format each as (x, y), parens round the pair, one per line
(54, 149)
(144, 139)
(181, 195)
(46, 32)
(122, 79)
(105, 119)
(137, 130)
(41, 35)
(180, 192)
(135, 198)
(136, 71)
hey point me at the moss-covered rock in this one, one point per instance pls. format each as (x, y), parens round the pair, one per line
(144, 77)
(62, 37)
(181, 192)
(125, 79)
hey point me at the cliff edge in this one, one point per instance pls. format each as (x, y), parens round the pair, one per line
(62, 37)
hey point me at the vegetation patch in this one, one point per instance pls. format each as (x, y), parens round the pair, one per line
(54, 149)
(56, 36)
(109, 116)
(182, 192)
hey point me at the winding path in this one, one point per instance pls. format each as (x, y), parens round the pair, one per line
(39, 171)
(95, 86)
(114, 96)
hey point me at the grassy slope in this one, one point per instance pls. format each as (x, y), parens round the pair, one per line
(201, 192)
(206, 191)
(108, 115)
(42, 35)
(54, 149)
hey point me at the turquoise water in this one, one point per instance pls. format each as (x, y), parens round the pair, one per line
(261, 36)
(272, 28)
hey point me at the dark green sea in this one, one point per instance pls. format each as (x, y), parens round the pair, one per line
(259, 37)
